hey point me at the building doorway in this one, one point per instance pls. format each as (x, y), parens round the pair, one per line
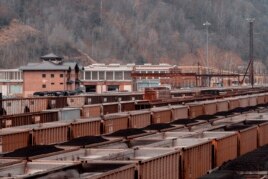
(113, 88)
(91, 88)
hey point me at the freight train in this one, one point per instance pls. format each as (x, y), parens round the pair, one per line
(112, 122)
(191, 109)
(181, 154)
(36, 104)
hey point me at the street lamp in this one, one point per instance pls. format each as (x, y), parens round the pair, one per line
(207, 24)
(251, 58)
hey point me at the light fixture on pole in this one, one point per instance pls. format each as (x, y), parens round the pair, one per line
(251, 58)
(207, 24)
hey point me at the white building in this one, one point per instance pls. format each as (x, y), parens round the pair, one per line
(115, 77)
(10, 82)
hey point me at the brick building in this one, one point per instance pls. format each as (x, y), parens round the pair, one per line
(52, 74)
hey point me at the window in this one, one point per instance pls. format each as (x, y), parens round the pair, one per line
(94, 75)
(88, 75)
(11, 76)
(101, 75)
(127, 75)
(52, 75)
(52, 83)
(118, 75)
(61, 75)
(44, 86)
(43, 75)
(2, 75)
(109, 75)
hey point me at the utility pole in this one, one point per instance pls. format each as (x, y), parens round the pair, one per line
(101, 15)
(98, 42)
(207, 24)
(251, 58)
(92, 43)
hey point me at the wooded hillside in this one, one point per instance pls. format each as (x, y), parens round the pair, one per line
(127, 31)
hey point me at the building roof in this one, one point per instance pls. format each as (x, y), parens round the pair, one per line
(47, 65)
(50, 56)
(128, 67)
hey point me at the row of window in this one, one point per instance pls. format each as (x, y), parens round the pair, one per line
(51, 75)
(107, 75)
(44, 86)
(10, 75)
(112, 75)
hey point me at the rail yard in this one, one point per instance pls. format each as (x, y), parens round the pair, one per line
(197, 133)
(152, 89)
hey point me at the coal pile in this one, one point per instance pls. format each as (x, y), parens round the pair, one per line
(262, 105)
(185, 121)
(224, 113)
(88, 167)
(158, 126)
(62, 174)
(256, 160)
(33, 151)
(127, 132)
(241, 110)
(222, 174)
(205, 117)
(236, 127)
(255, 122)
(86, 140)
(135, 143)
(253, 107)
